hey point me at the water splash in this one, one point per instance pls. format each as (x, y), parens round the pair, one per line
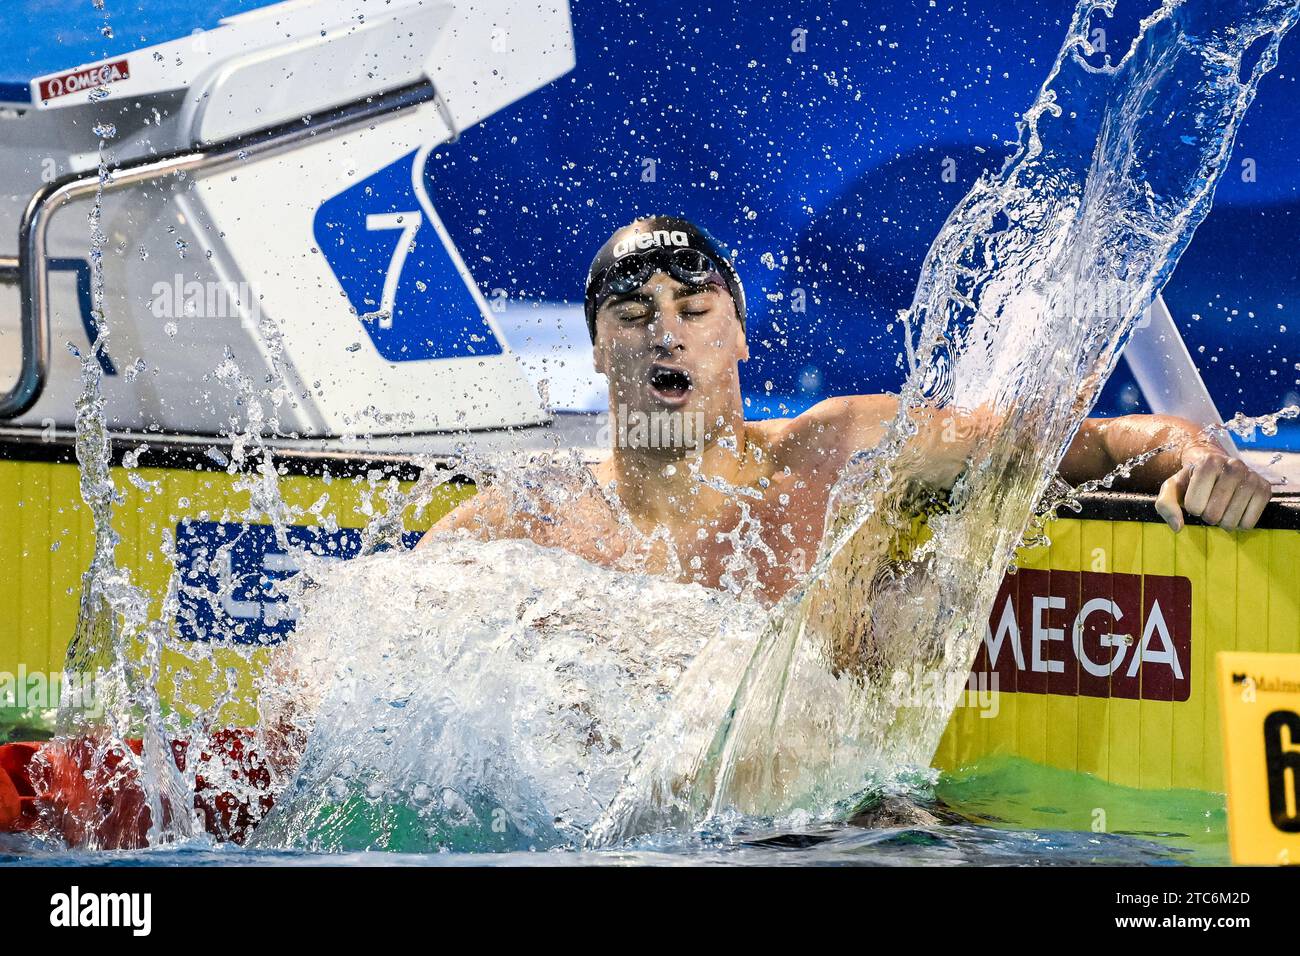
(1244, 426)
(434, 697)
(113, 622)
(480, 708)
(1025, 299)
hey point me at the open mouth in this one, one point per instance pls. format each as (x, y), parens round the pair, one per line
(669, 384)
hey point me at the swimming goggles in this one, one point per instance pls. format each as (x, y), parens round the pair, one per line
(688, 266)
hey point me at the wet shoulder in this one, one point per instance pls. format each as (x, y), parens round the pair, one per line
(829, 432)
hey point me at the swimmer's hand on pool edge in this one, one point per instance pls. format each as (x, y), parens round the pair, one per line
(1196, 476)
(1221, 488)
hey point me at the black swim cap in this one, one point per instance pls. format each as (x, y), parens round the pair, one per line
(658, 244)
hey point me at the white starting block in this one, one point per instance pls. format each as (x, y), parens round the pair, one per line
(267, 203)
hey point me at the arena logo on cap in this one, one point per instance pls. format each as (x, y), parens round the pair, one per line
(87, 78)
(644, 240)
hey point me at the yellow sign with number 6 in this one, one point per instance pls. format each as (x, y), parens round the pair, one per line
(1259, 698)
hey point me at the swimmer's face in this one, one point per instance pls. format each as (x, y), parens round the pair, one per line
(668, 346)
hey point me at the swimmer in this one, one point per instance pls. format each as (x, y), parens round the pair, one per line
(665, 309)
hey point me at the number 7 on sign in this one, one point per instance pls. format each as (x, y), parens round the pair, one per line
(409, 223)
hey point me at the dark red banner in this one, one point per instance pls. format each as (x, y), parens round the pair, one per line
(87, 78)
(1096, 635)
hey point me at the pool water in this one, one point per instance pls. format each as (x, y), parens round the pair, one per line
(1002, 812)
(1020, 798)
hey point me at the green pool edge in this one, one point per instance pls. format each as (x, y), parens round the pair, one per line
(1011, 793)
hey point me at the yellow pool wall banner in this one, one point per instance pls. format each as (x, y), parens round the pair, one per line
(46, 543)
(1155, 729)
(1099, 657)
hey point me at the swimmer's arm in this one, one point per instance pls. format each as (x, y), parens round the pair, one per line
(846, 423)
(1195, 476)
